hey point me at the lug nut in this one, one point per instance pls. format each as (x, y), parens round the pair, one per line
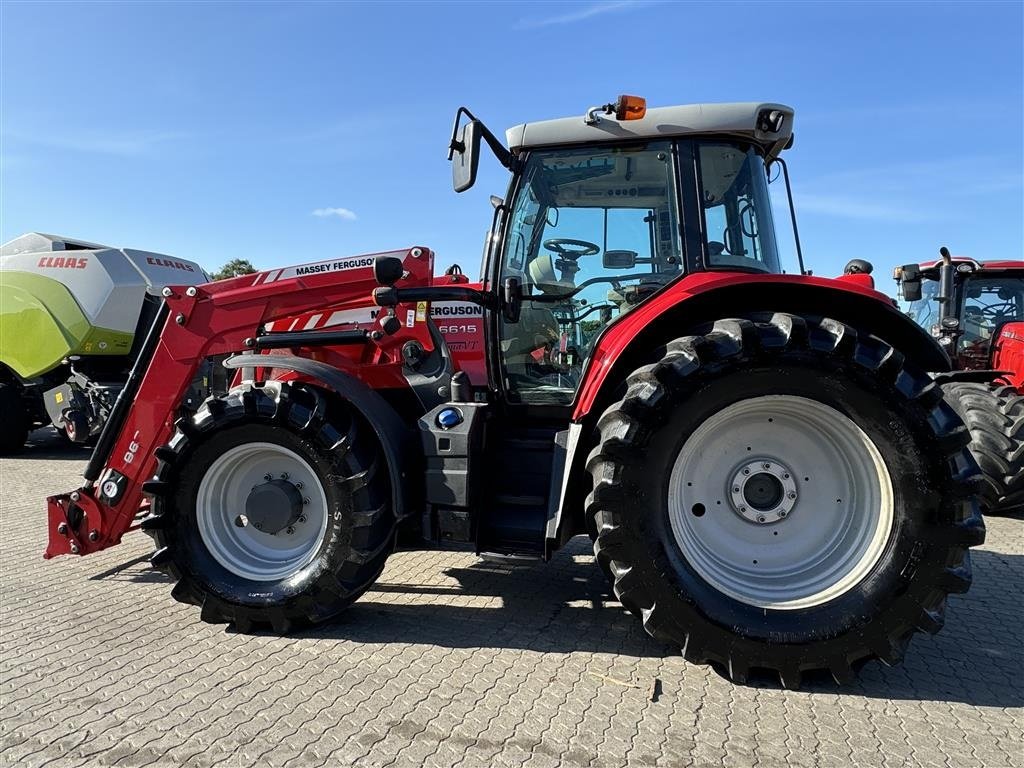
(298, 486)
(782, 513)
(736, 489)
(792, 494)
(760, 518)
(743, 509)
(94, 535)
(302, 518)
(290, 529)
(191, 291)
(74, 548)
(746, 471)
(258, 526)
(75, 496)
(62, 529)
(305, 501)
(284, 475)
(268, 477)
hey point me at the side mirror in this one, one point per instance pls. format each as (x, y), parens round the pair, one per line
(387, 270)
(512, 300)
(619, 259)
(909, 278)
(466, 155)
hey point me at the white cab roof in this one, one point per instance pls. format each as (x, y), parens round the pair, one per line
(739, 120)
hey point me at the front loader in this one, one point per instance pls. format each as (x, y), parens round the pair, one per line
(771, 478)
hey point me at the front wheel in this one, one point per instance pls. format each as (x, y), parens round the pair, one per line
(14, 422)
(786, 494)
(271, 506)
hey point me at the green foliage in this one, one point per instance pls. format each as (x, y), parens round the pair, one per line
(234, 268)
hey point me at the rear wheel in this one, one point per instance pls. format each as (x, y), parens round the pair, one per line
(13, 420)
(994, 415)
(271, 506)
(805, 498)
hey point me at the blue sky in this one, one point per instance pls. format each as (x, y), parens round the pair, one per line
(285, 133)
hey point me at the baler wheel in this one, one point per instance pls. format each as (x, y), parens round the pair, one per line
(13, 420)
(271, 506)
(784, 494)
(995, 417)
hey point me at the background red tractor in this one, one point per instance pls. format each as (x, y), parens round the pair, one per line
(769, 472)
(976, 311)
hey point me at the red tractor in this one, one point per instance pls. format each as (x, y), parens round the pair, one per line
(771, 477)
(976, 311)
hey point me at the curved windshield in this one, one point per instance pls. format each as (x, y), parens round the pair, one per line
(592, 233)
(738, 227)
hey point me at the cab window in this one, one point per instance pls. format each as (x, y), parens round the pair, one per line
(738, 229)
(591, 234)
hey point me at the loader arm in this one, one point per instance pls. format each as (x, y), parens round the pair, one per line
(197, 322)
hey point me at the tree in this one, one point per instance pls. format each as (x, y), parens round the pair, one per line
(234, 268)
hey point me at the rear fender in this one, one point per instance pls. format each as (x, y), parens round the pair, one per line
(391, 431)
(1008, 353)
(699, 299)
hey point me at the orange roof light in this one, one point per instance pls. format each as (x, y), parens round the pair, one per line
(630, 107)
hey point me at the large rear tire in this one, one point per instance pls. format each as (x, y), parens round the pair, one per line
(14, 421)
(994, 415)
(782, 493)
(271, 506)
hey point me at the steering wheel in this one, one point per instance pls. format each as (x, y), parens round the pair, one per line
(568, 248)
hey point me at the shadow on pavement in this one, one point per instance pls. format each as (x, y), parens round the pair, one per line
(46, 445)
(566, 607)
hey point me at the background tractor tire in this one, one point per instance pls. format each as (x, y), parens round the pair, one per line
(14, 421)
(994, 415)
(828, 581)
(321, 466)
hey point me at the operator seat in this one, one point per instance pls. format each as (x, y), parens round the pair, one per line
(537, 328)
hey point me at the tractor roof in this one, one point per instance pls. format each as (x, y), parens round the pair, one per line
(744, 120)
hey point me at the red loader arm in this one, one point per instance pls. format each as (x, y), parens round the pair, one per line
(195, 323)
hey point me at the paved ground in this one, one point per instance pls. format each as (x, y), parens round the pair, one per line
(449, 661)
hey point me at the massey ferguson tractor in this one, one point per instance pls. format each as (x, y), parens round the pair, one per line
(976, 311)
(770, 474)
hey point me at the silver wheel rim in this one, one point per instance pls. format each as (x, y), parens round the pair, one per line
(221, 512)
(816, 542)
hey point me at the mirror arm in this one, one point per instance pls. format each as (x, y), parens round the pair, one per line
(499, 150)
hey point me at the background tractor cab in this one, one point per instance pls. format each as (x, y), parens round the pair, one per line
(975, 310)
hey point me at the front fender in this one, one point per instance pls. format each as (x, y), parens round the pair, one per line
(387, 425)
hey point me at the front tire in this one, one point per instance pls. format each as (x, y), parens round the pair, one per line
(994, 416)
(14, 422)
(271, 506)
(838, 552)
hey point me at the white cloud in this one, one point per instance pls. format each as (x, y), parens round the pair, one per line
(586, 12)
(341, 213)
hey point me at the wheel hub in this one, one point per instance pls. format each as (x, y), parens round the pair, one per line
(763, 491)
(273, 506)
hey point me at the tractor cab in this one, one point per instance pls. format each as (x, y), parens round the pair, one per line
(967, 305)
(606, 209)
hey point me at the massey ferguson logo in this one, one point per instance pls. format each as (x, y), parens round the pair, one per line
(337, 266)
(456, 310)
(169, 263)
(63, 262)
